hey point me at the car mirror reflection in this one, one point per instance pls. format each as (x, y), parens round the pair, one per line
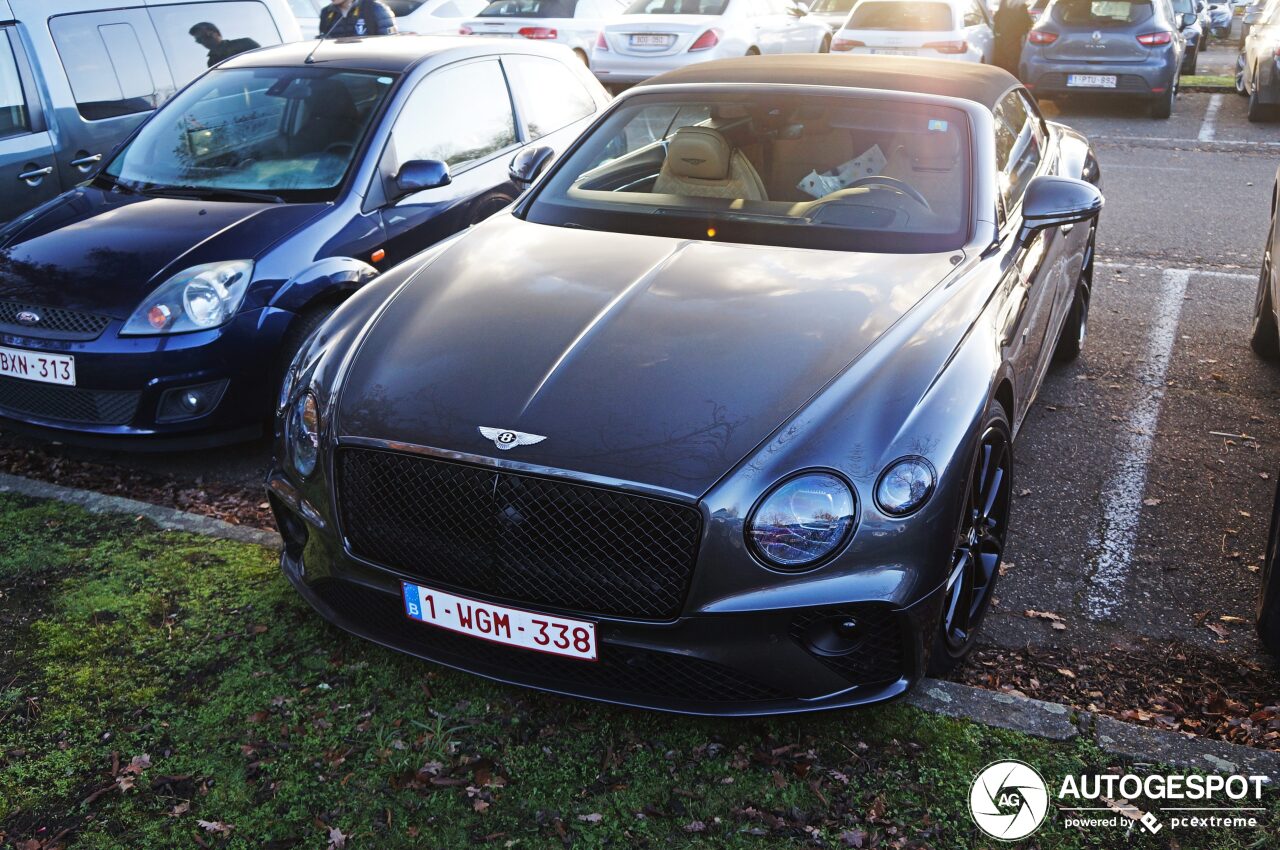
(529, 163)
(419, 174)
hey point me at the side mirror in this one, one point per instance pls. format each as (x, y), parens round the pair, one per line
(1057, 201)
(799, 10)
(418, 174)
(527, 164)
(1188, 18)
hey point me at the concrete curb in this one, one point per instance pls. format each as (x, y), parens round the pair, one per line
(170, 519)
(1035, 717)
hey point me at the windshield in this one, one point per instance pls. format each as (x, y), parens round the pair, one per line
(834, 172)
(530, 9)
(677, 7)
(901, 17)
(1102, 14)
(290, 132)
(831, 7)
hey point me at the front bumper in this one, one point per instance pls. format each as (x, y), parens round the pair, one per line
(121, 381)
(753, 661)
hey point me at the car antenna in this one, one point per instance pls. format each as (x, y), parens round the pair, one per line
(319, 41)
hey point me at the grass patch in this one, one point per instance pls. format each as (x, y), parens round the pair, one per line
(1222, 80)
(173, 691)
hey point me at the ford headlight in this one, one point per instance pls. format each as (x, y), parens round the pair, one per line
(200, 298)
(905, 485)
(303, 434)
(802, 521)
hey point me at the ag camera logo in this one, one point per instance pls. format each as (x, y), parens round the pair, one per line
(1009, 800)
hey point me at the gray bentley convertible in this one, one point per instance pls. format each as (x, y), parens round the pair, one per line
(719, 417)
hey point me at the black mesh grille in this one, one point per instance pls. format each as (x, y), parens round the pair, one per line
(67, 404)
(519, 538)
(620, 672)
(878, 654)
(54, 321)
(1127, 83)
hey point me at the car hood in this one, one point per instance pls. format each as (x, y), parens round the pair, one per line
(101, 252)
(644, 359)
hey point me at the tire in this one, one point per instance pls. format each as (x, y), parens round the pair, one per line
(1190, 69)
(825, 47)
(1265, 339)
(1240, 89)
(1259, 111)
(1076, 327)
(980, 530)
(1269, 598)
(1162, 107)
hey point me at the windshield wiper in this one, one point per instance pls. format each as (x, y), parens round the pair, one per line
(206, 192)
(103, 178)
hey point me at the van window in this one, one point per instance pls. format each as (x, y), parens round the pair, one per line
(105, 64)
(241, 25)
(551, 96)
(13, 106)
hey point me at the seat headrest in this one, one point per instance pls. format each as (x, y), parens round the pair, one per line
(935, 152)
(699, 152)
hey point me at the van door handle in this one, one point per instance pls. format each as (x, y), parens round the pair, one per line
(36, 175)
(86, 161)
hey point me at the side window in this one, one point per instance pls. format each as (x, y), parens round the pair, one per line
(551, 95)
(13, 105)
(1018, 147)
(197, 36)
(459, 115)
(105, 64)
(973, 15)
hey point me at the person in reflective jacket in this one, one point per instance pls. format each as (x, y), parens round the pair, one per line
(351, 18)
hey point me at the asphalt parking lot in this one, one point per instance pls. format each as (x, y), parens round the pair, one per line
(1147, 468)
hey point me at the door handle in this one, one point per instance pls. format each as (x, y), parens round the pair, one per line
(86, 161)
(36, 175)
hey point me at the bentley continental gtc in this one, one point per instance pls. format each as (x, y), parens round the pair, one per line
(720, 416)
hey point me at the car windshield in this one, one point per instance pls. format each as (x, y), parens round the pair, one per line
(529, 9)
(901, 17)
(677, 7)
(1102, 14)
(289, 132)
(833, 172)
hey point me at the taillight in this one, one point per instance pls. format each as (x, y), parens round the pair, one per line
(465, 31)
(1042, 37)
(601, 44)
(706, 41)
(1153, 39)
(948, 46)
(538, 33)
(841, 44)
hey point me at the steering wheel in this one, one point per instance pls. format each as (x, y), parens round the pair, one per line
(893, 183)
(338, 149)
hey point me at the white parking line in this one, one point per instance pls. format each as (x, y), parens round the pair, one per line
(1124, 491)
(1209, 126)
(1149, 268)
(1100, 138)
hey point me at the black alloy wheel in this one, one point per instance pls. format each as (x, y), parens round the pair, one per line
(1265, 339)
(975, 564)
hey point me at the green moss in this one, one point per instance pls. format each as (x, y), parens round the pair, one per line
(257, 715)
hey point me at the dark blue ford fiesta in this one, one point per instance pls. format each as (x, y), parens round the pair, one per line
(158, 305)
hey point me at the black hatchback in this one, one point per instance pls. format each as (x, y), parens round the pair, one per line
(159, 303)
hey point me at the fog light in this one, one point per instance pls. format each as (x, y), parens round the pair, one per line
(834, 635)
(193, 402)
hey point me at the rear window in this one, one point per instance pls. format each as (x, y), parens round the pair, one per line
(831, 7)
(530, 9)
(677, 7)
(1101, 13)
(902, 17)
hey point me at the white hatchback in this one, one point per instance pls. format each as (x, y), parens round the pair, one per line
(941, 29)
(575, 23)
(655, 36)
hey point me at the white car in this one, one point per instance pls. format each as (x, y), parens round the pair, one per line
(941, 29)
(575, 23)
(422, 17)
(832, 12)
(655, 36)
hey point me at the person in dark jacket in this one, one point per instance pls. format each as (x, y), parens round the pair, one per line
(353, 18)
(1012, 23)
(210, 38)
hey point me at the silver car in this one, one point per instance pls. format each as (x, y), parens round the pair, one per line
(1260, 66)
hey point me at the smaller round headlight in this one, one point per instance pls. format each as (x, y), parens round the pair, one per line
(802, 521)
(905, 485)
(304, 434)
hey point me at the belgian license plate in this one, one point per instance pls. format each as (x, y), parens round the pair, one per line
(651, 40)
(893, 51)
(497, 623)
(1091, 81)
(38, 366)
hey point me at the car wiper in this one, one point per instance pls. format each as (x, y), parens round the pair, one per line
(103, 178)
(206, 192)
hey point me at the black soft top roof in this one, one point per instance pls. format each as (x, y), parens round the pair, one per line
(984, 84)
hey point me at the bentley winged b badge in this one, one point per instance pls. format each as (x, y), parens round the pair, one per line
(508, 440)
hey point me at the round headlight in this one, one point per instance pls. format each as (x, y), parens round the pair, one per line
(304, 434)
(802, 520)
(905, 485)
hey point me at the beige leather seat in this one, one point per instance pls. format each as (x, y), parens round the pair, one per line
(928, 161)
(702, 164)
